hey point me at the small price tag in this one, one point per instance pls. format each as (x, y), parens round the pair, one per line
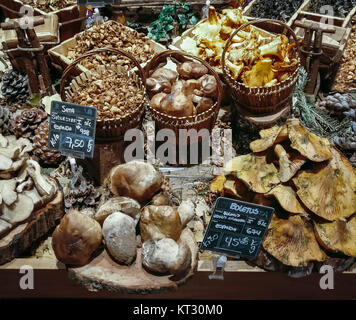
(236, 228)
(72, 129)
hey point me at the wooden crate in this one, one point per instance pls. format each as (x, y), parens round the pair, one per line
(278, 29)
(60, 61)
(337, 21)
(71, 19)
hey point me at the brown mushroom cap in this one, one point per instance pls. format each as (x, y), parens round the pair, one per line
(76, 238)
(254, 171)
(311, 146)
(292, 242)
(287, 198)
(331, 192)
(339, 235)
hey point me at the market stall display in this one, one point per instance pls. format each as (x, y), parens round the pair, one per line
(108, 34)
(187, 95)
(320, 182)
(160, 254)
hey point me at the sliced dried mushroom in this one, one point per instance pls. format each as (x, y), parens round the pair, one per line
(287, 198)
(19, 211)
(329, 193)
(217, 185)
(287, 167)
(339, 235)
(311, 146)
(4, 227)
(8, 191)
(255, 172)
(292, 242)
(5, 162)
(43, 184)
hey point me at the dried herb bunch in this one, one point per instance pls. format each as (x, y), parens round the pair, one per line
(277, 9)
(340, 8)
(114, 95)
(111, 34)
(50, 5)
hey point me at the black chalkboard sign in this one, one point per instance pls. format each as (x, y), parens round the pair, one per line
(72, 129)
(237, 228)
(95, 3)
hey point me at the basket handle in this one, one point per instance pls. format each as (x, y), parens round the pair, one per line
(66, 72)
(227, 45)
(178, 55)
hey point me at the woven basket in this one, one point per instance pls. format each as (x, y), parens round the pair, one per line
(204, 120)
(262, 100)
(106, 129)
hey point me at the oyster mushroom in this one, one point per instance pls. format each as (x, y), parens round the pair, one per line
(292, 241)
(44, 185)
(254, 171)
(287, 198)
(8, 191)
(311, 146)
(339, 235)
(329, 193)
(5, 162)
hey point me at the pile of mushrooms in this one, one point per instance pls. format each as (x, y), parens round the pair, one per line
(23, 188)
(312, 187)
(138, 215)
(182, 89)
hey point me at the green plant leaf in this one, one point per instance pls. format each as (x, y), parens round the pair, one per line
(169, 27)
(35, 100)
(193, 20)
(167, 10)
(182, 19)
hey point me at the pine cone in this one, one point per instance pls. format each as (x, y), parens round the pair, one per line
(15, 86)
(26, 123)
(5, 121)
(40, 144)
(80, 199)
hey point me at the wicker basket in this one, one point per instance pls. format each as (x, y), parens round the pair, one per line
(262, 100)
(204, 120)
(107, 130)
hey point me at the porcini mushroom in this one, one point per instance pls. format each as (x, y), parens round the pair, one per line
(330, 192)
(339, 235)
(268, 138)
(292, 241)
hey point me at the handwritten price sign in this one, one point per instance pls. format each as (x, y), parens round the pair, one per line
(237, 228)
(72, 129)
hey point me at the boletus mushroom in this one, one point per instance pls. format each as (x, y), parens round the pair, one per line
(292, 241)
(339, 235)
(330, 192)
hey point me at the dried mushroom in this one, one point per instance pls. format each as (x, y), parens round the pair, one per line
(192, 70)
(292, 242)
(18, 211)
(330, 192)
(287, 198)
(217, 185)
(255, 172)
(339, 235)
(311, 146)
(111, 34)
(113, 94)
